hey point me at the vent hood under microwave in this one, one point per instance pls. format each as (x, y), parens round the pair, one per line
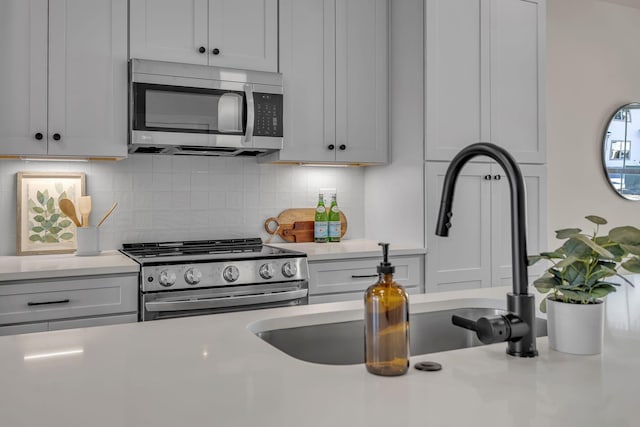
(187, 109)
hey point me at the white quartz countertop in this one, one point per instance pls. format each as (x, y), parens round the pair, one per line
(64, 265)
(214, 371)
(353, 248)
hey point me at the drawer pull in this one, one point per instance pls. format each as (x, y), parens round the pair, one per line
(60, 301)
(363, 276)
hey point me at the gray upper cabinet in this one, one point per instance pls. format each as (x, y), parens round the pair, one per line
(225, 33)
(484, 67)
(64, 78)
(333, 57)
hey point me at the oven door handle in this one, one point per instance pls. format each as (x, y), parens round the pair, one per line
(222, 302)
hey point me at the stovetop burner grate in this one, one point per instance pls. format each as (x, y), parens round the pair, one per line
(193, 247)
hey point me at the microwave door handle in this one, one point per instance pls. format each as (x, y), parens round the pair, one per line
(222, 302)
(248, 90)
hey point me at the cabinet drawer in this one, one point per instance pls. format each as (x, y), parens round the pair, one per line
(44, 300)
(24, 329)
(358, 274)
(93, 321)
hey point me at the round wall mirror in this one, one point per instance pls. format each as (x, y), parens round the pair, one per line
(621, 151)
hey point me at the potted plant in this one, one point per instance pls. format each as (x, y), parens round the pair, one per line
(578, 281)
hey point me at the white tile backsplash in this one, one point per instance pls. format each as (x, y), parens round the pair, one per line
(178, 198)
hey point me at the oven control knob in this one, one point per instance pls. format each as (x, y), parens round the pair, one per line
(289, 269)
(167, 278)
(231, 273)
(193, 276)
(266, 271)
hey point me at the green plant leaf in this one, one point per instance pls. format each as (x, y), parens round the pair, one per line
(62, 195)
(39, 218)
(576, 295)
(534, 258)
(35, 238)
(543, 305)
(576, 248)
(51, 207)
(602, 290)
(566, 262)
(632, 265)
(66, 236)
(626, 235)
(64, 223)
(632, 249)
(546, 283)
(54, 230)
(50, 238)
(37, 229)
(596, 219)
(587, 241)
(55, 217)
(40, 197)
(567, 232)
(37, 209)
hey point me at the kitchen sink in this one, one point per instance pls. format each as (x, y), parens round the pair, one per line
(342, 343)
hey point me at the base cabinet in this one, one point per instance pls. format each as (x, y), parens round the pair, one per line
(63, 303)
(348, 279)
(477, 252)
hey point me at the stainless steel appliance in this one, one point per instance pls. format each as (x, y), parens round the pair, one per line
(201, 110)
(213, 276)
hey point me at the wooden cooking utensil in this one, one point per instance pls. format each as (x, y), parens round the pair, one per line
(296, 225)
(84, 206)
(69, 209)
(107, 214)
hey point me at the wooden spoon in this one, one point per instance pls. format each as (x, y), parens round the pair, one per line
(107, 214)
(69, 209)
(84, 206)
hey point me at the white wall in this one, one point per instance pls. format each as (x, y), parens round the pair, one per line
(593, 68)
(394, 194)
(162, 198)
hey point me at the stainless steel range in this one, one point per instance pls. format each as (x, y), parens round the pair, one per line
(213, 276)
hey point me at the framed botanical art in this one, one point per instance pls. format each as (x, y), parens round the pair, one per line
(42, 228)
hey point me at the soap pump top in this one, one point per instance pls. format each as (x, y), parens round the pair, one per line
(385, 266)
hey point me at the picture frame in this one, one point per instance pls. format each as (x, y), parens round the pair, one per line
(41, 227)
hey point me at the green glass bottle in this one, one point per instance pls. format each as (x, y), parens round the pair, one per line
(321, 222)
(386, 327)
(334, 220)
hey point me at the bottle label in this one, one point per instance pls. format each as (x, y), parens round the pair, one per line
(321, 209)
(334, 208)
(320, 230)
(334, 229)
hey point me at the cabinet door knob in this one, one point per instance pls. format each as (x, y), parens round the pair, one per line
(57, 137)
(497, 177)
(342, 147)
(39, 136)
(331, 147)
(487, 177)
(215, 51)
(202, 49)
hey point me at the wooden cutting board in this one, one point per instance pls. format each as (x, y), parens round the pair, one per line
(296, 225)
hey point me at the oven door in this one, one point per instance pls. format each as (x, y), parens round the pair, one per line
(171, 304)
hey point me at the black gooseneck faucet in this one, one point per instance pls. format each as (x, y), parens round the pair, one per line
(517, 327)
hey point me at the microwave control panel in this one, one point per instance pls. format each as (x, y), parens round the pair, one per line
(268, 114)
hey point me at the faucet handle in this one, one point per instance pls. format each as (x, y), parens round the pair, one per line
(495, 328)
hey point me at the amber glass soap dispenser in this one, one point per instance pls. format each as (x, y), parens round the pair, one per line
(386, 323)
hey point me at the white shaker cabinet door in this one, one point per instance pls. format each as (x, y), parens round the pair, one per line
(23, 77)
(463, 259)
(517, 78)
(535, 178)
(456, 108)
(88, 78)
(169, 30)
(244, 34)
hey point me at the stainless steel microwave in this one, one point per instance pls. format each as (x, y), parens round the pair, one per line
(187, 109)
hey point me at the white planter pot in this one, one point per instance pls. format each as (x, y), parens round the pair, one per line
(575, 328)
